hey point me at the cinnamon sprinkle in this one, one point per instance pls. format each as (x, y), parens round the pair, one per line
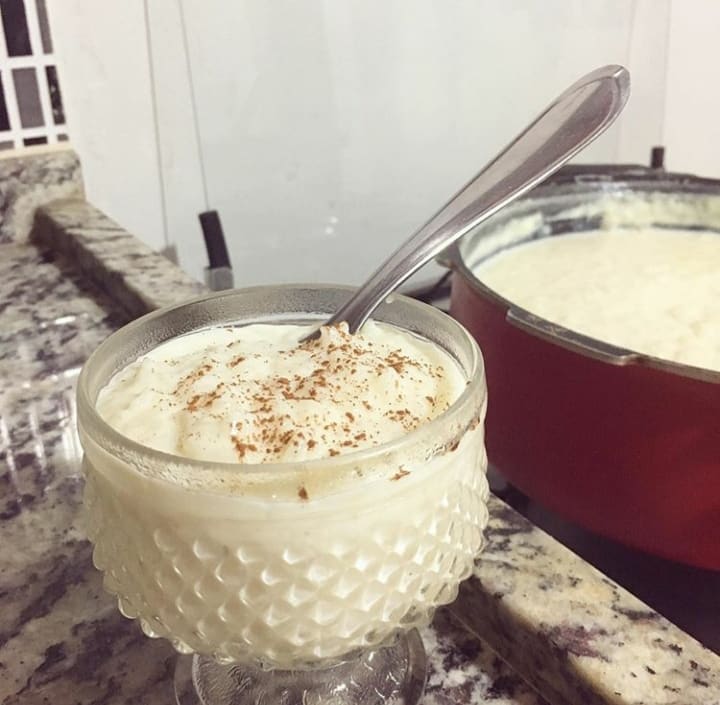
(202, 401)
(338, 371)
(242, 448)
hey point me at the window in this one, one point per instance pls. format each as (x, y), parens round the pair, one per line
(31, 108)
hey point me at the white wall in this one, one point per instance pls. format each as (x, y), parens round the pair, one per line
(106, 87)
(332, 129)
(692, 104)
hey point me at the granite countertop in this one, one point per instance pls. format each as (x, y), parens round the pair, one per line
(533, 618)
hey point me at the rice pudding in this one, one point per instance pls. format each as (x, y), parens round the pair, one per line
(299, 501)
(651, 290)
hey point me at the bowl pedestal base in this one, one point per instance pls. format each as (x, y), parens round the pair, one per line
(389, 674)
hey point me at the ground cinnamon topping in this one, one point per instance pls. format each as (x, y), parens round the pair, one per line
(243, 448)
(193, 377)
(319, 398)
(202, 401)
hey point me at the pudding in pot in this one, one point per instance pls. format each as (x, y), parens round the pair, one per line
(650, 290)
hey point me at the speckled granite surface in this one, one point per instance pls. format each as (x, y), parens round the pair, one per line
(27, 182)
(134, 276)
(577, 636)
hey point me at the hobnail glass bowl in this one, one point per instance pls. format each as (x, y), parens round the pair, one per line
(295, 576)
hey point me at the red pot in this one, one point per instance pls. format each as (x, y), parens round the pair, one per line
(624, 444)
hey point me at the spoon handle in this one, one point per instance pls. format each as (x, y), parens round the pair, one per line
(568, 124)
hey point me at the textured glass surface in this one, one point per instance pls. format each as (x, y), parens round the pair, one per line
(391, 674)
(291, 590)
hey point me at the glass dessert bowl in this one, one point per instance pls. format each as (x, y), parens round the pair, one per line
(296, 581)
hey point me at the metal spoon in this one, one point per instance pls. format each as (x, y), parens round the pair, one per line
(573, 120)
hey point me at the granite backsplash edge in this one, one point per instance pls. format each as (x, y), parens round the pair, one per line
(30, 178)
(573, 634)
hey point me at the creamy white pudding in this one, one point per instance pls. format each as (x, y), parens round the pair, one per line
(252, 394)
(302, 561)
(654, 291)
